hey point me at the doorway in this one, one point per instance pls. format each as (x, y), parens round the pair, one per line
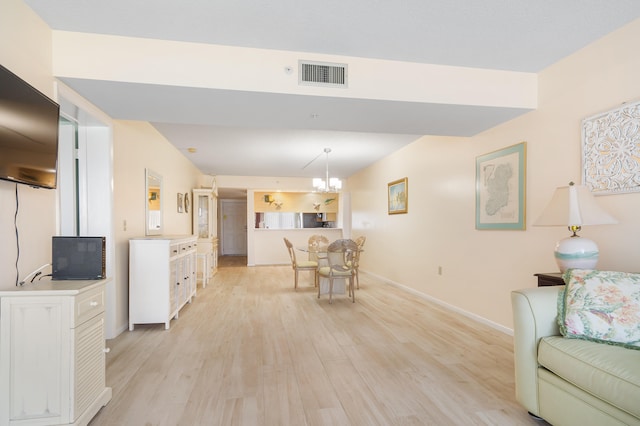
(85, 193)
(233, 228)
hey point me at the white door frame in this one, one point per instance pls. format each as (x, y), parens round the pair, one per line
(95, 183)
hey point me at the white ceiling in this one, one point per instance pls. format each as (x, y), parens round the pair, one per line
(268, 134)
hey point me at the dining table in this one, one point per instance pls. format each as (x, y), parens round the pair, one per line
(339, 285)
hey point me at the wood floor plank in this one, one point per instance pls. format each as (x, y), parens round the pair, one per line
(251, 350)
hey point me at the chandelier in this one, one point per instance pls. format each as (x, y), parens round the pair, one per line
(327, 184)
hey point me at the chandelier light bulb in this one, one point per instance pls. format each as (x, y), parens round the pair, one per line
(327, 184)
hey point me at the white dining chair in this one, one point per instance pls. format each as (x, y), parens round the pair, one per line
(301, 265)
(340, 256)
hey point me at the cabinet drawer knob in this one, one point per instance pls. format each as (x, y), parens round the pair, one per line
(106, 350)
(93, 303)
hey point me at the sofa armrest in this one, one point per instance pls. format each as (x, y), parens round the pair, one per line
(534, 316)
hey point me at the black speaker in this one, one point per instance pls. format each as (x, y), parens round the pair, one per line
(78, 258)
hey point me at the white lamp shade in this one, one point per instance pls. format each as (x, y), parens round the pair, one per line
(573, 205)
(335, 183)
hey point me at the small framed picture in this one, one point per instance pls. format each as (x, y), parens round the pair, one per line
(186, 202)
(180, 202)
(398, 197)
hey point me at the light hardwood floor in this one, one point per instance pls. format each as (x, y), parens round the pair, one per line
(252, 351)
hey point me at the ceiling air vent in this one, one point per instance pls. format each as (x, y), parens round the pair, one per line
(323, 74)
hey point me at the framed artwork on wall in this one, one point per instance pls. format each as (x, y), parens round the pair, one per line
(500, 188)
(398, 196)
(187, 203)
(611, 151)
(180, 202)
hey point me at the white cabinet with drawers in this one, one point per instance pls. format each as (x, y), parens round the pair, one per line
(52, 353)
(162, 277)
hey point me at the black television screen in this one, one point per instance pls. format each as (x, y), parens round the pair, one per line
(28, 133)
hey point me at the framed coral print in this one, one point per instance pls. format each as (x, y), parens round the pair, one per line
(611, 151)
(500, 188)
(187, 203)
(398, 196)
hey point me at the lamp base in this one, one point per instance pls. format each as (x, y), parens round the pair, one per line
(576, 253)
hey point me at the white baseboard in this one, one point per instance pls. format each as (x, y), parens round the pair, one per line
(119, 330)
(453, 308)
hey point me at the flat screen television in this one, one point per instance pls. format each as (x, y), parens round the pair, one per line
(78, 258)
(28, 133)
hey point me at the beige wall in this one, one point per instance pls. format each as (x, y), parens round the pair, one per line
(26, 51)
(480, 268)
(137, 146)
(26, 45)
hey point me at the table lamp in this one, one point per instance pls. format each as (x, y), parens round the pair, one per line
(574, 206)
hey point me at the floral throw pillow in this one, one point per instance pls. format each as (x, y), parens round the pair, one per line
(602, 306)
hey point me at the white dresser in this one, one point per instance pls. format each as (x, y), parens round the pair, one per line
(162, 277)
(52, 353)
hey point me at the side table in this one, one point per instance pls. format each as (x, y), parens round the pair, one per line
(548, 279)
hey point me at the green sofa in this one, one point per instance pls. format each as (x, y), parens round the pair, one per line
(570, 381)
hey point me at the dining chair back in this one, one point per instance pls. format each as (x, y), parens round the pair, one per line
(316, 242)
(360, 242)
(301, 265)
(340, 256)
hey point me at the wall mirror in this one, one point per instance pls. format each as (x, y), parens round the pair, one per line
(153, 205)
